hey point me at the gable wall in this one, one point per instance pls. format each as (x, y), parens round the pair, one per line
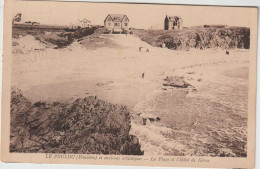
(125, 21)
(108, 23)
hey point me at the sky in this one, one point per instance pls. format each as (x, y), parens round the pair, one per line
(140, 15)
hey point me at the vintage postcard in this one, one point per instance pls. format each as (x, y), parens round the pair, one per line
(129, 84)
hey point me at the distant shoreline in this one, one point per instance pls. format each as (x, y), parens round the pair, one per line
(26, 26)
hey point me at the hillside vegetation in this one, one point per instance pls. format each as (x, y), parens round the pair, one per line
(57, 38)
(201, 37)
(41, 38)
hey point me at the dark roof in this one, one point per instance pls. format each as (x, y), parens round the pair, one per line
(173, 18)
(116, 17)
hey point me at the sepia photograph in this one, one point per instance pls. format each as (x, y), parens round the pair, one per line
(142, 83)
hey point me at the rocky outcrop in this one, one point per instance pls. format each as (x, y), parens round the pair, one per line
(198, 38)
(84, 126)
(176, 81)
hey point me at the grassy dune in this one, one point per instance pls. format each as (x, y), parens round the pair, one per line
(53, 36)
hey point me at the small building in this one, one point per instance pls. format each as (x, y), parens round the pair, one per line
(85, 23)
(36, 23)
(73, 26)
(17, 18)
(32, 23)
(116, 23)
(173, 22)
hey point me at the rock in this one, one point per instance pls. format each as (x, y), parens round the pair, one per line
(194, 90)
(85, 126)
(38, 104)
(143, 49)
(104, 84)
(199, 38)
(176, 81)
(151, 119)
(227, 52)
(100, 84)
(137, 119)
(157, 119)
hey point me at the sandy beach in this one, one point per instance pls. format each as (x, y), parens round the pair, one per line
(200, 113)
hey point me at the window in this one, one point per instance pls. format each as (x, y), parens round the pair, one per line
(125, 24)
(109, 24)
(117, 24)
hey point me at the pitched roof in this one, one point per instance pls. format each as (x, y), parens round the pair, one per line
(85, 21)
(174, 18)
(116, 17)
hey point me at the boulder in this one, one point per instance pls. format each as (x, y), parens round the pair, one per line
(85, 126)
(176, 81)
